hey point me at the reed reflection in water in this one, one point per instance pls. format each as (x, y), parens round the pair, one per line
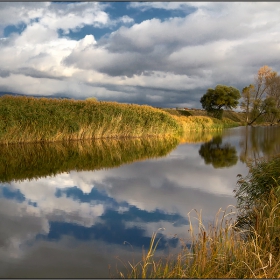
(28, 161)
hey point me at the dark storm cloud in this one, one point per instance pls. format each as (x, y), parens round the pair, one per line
(34, 73)
(144, 95)
(31, 72)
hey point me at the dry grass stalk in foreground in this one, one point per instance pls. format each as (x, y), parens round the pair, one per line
(247, 247)
(220, 251)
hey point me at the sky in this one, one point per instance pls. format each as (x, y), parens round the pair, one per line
(164, 54)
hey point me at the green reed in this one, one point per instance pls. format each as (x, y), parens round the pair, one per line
(28, 119)
(200, 123)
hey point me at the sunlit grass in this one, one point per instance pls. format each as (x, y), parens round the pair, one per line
(217, 251)
(27, 119)
(198, 123)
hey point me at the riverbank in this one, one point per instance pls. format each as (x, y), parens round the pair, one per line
(246, 247)
(28, 119)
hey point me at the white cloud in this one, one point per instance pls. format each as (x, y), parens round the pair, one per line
(12, 13)
(126, 19)
(74, 16)
(143, 6)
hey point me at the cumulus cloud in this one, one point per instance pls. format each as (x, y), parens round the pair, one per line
(207, 44)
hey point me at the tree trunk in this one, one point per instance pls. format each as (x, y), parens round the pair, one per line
(261, 113)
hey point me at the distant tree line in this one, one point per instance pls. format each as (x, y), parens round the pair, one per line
(260, 100)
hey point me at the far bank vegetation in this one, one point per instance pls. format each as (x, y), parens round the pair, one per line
(29, 119)
(261, 100)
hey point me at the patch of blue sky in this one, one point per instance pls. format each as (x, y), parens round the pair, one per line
(116, 233)
(77, 194)
(80, 33)
(120, 9)
(133, 213)
(7, 193)
(32, 203)
(111, 214)
(116, 11)
(12, 194)
(9, 29)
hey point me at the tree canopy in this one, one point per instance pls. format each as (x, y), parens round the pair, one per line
(261, 100)
(214, 100)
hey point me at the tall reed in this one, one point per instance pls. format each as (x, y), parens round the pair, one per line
(27, 119)
(217, 251)
(199, 123)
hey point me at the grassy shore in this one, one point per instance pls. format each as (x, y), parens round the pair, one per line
(27, 119)
(199, 123)
(246, 247)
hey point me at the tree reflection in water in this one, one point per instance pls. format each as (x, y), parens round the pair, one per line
(218, 154)
(259, 142)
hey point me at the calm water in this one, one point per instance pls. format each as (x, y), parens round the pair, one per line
(76, 210)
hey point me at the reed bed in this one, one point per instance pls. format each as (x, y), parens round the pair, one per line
(35, 160)
(28, 119)
(227, 248)
(199, 123)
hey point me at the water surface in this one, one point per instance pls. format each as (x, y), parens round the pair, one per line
(74, 210)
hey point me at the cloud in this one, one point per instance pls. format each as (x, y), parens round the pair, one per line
(179, 46)
(70, 258)
(74, 16)
(208, 44)
(15, 13)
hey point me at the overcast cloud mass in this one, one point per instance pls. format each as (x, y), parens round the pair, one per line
(162, 54)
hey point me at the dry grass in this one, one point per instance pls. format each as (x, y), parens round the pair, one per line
(234, 116)
(27, 119)
(246, 247)
(218, 251)
(197, 123)
(202, 136)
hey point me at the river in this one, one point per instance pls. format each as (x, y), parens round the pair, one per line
(82, 210)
